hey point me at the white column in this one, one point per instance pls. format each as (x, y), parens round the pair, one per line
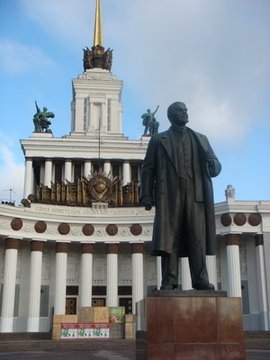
(48, 172)
(8, 299)
(261, 282)
(185, 271)
(126, 173)
(86, 275)
(211, 265)
(233, 260)
(87, 168)
(68, 170)
(112, 274)
(107, 167)
(35, 286)
(137, 250)
(28, 178)
(159, 272)
(60, 279)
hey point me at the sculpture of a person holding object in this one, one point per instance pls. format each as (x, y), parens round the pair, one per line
(150, 123)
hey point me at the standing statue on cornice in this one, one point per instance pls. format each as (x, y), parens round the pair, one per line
(41, 121)
(150, 123)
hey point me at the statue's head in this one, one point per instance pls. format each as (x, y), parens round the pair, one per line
(45, 109)
(177, 113)
(148, 110)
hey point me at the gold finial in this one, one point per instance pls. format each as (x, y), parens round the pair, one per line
(98, 36)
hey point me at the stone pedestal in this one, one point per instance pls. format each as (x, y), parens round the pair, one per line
(193, 325)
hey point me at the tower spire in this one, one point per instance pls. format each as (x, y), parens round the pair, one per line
(98, 33)
(97, 57)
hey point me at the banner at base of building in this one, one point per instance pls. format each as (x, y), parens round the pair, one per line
(85, 331)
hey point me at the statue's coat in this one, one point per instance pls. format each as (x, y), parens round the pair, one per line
(159, 173)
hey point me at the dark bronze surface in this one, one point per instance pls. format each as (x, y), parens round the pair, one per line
(176, 179)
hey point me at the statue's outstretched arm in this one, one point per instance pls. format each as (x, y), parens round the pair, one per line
(156, 110)
(38, 109)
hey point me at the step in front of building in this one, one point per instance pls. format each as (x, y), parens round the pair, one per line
(42, 341)
(257, 339)
(25, 336)
(12, 345)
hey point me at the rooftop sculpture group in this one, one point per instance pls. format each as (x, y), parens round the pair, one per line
(41, 121)
(150, 123)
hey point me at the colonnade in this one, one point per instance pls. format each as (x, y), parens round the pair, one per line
(138, 280)
(85, 279)
(47, 172)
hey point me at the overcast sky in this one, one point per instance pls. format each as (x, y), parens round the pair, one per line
(214, 55)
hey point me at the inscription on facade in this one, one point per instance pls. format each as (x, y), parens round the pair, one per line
(64, 210)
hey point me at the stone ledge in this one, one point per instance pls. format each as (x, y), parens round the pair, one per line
(187, 293)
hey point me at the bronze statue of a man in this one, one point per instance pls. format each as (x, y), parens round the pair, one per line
(41, 121)
(176, 178)
(150, 122)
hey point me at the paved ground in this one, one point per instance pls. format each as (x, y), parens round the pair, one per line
(38, 346)
(258, 354)
(72, 355)
(100, 354)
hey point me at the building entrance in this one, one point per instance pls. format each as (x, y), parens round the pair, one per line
(71, 306)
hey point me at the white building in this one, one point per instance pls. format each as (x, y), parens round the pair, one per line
(81, 238)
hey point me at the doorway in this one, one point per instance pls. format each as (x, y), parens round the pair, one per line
(71, 305)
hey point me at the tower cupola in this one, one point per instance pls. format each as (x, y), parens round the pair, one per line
(96, 105)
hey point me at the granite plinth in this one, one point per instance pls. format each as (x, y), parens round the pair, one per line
(187, 293)
(194, 327)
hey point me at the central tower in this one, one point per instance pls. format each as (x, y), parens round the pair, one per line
(96, 104)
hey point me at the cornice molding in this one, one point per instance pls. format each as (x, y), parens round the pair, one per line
(75, 218)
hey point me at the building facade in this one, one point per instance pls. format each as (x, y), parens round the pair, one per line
(80, 237)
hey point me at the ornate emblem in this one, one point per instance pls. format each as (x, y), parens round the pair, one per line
(136, 229)
(254, 219)
(100, 188)
(88, 229)
(63, 228)
(240, 219)
(97, 57)
(97, 187)
(226, 219)
(112, 229)
(16, 224)
(40, 227)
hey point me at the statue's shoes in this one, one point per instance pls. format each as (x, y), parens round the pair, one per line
(204, 286)
(168, 287)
